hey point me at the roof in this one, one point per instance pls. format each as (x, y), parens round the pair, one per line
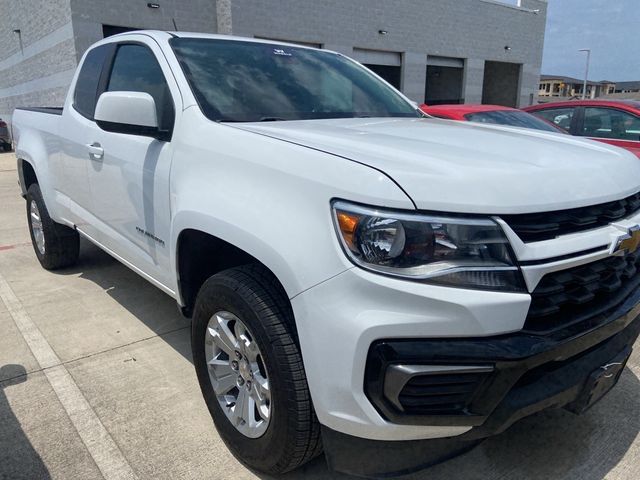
(165, 35)
(464, 108)
(633, 85)
(565, 79)
(625, 104)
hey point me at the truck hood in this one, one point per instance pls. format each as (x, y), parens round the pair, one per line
(472, 168)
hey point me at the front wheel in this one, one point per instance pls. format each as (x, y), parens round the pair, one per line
(250, 370)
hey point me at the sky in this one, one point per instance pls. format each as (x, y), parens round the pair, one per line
(610, 28)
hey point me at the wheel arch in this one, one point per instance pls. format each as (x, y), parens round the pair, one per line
(200, 255)
(26, 175)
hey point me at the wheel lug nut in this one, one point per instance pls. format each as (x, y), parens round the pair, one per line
(234, 365)
(240, 381)
(238, 355)
(249, 385)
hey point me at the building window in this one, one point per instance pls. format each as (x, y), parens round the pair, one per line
(109, 30)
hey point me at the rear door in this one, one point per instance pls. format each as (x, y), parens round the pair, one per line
(563, 117)
(613, 126)
(130, 181)
(69, 169)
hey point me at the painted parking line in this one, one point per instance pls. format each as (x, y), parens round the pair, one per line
(11, 247)
(100, 445)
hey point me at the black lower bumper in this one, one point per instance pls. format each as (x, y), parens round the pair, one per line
(530, 374)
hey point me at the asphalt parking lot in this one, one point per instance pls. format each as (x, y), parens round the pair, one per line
(96, 382)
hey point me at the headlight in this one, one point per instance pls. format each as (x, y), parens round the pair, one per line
(454, 251)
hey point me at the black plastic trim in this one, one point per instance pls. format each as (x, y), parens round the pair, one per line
(47, 110)
(569, 256)
(563, 384)
(511, 355)
(381, 459)
(129, 129)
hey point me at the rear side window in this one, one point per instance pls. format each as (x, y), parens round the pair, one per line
(135, 69)
(513, 118)
(84, 96)
(560, 116)
(610, 123)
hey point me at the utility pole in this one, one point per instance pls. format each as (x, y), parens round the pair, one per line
(586, 73)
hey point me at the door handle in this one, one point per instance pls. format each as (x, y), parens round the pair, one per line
(96, 152)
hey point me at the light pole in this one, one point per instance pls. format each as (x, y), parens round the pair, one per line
(586, 73)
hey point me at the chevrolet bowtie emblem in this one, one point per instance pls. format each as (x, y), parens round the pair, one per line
(628, 242)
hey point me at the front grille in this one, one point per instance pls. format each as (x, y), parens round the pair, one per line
(442, 394)
(534, 227)
(583, 293)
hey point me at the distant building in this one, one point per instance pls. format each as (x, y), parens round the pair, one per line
(627, 87)
(568, 87)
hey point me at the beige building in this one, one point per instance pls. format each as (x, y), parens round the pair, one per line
(568, 87)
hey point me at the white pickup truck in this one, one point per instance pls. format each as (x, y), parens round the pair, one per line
(389, 287)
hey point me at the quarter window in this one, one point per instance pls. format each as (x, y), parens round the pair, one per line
(135, 69)
(560, 116)
(610, 123)
(84, 96)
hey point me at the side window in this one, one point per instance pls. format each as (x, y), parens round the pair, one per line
(560, 116)
(135, 69)
(610, 123)
(84, 96)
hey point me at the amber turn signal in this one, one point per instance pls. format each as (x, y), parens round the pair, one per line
(348, 223)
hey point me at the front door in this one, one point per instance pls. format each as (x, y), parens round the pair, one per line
(129, 174)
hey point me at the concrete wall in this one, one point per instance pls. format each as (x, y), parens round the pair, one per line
(189, 15)
(37, 64)
(475, 30)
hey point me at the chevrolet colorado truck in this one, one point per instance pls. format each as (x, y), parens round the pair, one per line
(362, 279)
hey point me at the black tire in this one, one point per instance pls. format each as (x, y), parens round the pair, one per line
(61, 243)
(292, 437)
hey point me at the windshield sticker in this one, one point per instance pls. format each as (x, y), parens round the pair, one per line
(279, 51)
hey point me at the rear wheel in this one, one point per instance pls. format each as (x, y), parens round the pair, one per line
(55, 245)
(250, 370)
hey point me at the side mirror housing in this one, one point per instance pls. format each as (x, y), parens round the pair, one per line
(133, 113)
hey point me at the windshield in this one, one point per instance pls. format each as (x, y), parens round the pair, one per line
(513, 118)
(239, 81)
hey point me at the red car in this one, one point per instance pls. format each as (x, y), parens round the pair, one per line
(616, 122)
(494, 114)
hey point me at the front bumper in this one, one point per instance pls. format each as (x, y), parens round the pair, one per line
(341, 318)
(343, 322)
(548, 376)
(523, 373)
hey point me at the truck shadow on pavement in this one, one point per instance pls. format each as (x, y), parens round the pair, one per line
(552, 444)
(18, 458)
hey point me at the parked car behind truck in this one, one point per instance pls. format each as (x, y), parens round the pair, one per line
(616, 122)
(5, 137)
(388, 287)
(490, 114)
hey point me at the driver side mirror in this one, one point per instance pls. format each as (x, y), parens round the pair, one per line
(132, 113)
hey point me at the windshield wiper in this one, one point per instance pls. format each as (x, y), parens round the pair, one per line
(272, 119)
